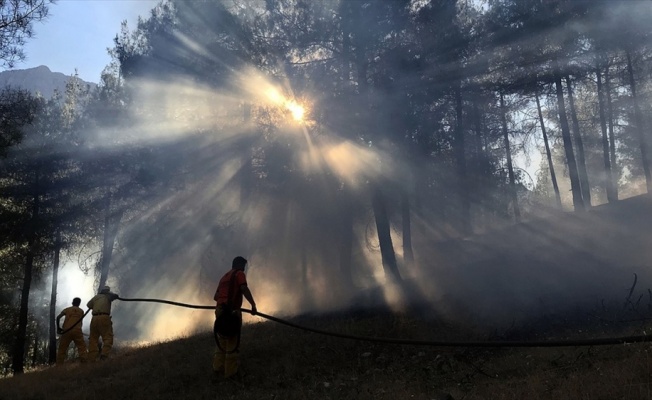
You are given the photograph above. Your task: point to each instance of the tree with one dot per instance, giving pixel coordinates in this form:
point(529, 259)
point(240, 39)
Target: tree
point(553, 176)
point(638, 118)
point(545, 54)
point(610, 186)
point(33, 174)
point(579, 145)
point(16, 110)
point(619, 40)
point(18, 220)
point(16, 26)
point(42, 186)
point(121, 181)
point(68, 209)
point(444, 43)
point(508, 152)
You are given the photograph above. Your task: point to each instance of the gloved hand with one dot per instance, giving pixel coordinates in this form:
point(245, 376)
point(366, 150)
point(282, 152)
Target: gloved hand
point(59, 331)
point(254, 310)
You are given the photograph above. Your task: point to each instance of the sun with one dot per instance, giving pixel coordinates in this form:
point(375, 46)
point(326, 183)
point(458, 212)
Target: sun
point(298, 111)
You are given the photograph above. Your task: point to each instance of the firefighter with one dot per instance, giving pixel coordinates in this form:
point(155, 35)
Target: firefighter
point(228, 297)
point(71, 331)
point(101, 324)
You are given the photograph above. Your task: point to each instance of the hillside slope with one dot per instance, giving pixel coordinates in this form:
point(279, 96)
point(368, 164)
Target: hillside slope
point(286, 363)
point(545, 266)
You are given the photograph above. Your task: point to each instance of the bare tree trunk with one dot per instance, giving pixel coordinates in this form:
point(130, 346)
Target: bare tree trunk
point(551, 167)
point(384, 237)
point(578, 203)
point(408, 253)
point(639, 125)
point(508, 152)
point(460, 160)
point(347, 214)
point(111, 227)
point(477, 140)
point(610, 125)
point(377, 199)
point(612, 195)
point(35, 349)
point(581, 162)
point(18, 364)
point(479, 148)
point(52, 343)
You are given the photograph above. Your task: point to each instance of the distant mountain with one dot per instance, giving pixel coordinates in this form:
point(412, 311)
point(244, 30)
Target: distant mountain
point(39, 79)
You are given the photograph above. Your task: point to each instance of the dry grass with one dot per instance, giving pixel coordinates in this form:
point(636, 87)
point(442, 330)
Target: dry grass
point(285, 363)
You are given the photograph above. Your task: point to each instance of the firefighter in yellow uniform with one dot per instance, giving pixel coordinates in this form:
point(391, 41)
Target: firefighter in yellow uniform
point(230, 290)
point(71, 331)
point(101, 324)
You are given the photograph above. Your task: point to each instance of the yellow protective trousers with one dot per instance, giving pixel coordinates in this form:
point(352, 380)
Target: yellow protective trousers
point(227, 358)
point(227, 361)
point(76, 336)
point(101, 326)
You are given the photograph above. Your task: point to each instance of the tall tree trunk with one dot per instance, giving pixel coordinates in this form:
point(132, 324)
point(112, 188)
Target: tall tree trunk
point(460, 161)
point(479, 148)
point(612, 195)
point(510, 167)
point(18, 364)
point(610, 125)
point(347, 214)
point(384, 236)
point(578, 203)
point(111, 227)
point(408, 253)
point(579, 145)
point(477, 138)
point(35, 349)
point(639, 125)
point(52, 343)
point(551, 167)
point(377, 199)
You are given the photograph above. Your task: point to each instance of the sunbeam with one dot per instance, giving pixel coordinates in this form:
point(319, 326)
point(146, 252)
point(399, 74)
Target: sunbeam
point(372, 154)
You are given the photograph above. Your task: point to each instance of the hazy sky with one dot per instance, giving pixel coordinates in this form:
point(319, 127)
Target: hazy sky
point(77, 34)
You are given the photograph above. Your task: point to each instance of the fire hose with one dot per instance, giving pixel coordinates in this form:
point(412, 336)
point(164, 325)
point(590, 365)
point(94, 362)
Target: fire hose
point(63, 332)
point(434, 343)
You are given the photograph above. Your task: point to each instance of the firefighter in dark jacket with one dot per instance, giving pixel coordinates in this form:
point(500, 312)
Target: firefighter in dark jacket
point(228, 297)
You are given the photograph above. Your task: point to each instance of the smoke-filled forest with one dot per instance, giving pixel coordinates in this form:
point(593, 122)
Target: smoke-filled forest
point(360, 154)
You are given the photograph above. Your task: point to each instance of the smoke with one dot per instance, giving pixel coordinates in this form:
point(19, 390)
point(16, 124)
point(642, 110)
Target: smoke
point(250, 171)
point(177, 247)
